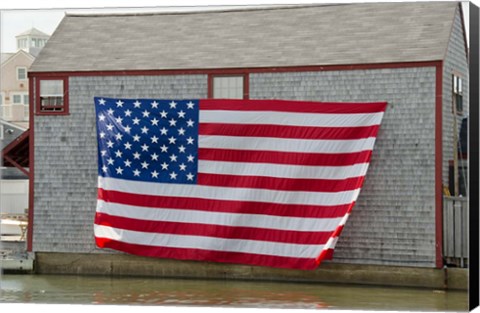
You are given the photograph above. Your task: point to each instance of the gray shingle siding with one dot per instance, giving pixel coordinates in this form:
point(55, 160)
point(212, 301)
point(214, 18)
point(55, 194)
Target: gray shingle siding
point(66, 156)
point(455, 61)
point(393, 221)
point(397, 200)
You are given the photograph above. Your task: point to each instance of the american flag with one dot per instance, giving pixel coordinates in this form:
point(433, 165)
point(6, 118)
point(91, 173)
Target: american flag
point(259, 182)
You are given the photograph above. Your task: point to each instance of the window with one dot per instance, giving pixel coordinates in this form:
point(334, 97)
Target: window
point(20, 98)
point(17, 99)
point(21, 73)
point(52, 96)
point(228, 87)
point(457, 94)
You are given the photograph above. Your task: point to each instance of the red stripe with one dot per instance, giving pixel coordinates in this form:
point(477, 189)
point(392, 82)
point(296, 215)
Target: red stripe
point(216, 231)
point(275, 209)
point(291, 106)
point(280, 183)
point(294, 158)
point(325, 255)
point(280, 131)
point(208, 255)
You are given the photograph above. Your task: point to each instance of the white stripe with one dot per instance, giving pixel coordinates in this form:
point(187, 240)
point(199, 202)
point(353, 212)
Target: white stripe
point(226, 193)
point(286, 144)
point(208, 243)
point(219, 218)
point(282, 170)
point(290, 118)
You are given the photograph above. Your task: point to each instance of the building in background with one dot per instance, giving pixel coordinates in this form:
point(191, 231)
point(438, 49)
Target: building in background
point(14, 99)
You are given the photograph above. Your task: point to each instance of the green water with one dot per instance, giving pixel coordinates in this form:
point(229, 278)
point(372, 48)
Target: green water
point(60, 289)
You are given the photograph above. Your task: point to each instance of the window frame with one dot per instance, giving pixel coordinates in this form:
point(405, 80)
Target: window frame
point(245, 76)
point(18, 71)
point(457, 93)
point(38, 106)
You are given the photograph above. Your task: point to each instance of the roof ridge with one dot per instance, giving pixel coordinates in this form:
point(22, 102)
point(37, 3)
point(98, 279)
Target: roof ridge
point(212, 9)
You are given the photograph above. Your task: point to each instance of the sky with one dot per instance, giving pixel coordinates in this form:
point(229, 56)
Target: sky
point(21, 15)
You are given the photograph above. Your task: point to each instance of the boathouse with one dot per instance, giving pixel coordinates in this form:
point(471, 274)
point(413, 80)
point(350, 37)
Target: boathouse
point(412, 55)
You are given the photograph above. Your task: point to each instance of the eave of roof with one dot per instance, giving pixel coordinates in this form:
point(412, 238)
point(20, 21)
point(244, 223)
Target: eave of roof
point(274, 37)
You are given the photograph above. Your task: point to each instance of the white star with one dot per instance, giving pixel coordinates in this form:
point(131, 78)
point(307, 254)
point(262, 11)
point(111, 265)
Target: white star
point(118, 154)
point(190, 158)
point(137, 104)
point(110, 144)
point(101, 101)
point(183, 167)
point(127, 163)
point(127, 129)
point(154, 121)
point(119, 120)
point(136, 121)
point(136, 173)
point(119, 170)
point(164, 166)
point(190, 123)
point(128, 113)
point(110, 111)
point(136, 138)
point(154, 157)
point(154, 104)
point(182, 149)
point(101, 117)
point(181, 114)
point(190, 105)
point(136, 155)
point(164, 148)
point(173, 122)
point(173, 175)
point(163, 114)
point(154, 139)
point(118, 136)
point(172, 140)
point(145, 147)
point(110, 161)
point(181, 131)
point(110, 127)
point(103, 152)
point(163, 131)
point(190, 141)
point(128, 146)
point(144, 130)
point(104, 169)
point(145, 164)
point(155, 174)
point(173, 105)
point(173, 158)
point(102, 135)
point(119, 104)
point(190, 176)
point(145, 113)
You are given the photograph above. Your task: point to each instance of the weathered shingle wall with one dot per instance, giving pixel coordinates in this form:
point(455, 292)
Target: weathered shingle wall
point(455, 62)
point(66, 156)
point(393, 221)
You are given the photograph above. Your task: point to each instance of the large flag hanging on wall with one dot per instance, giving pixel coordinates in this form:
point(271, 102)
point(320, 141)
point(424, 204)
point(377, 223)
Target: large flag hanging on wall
point(260, 182)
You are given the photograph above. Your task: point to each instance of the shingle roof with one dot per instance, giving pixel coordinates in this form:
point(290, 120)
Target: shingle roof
point(292, 36)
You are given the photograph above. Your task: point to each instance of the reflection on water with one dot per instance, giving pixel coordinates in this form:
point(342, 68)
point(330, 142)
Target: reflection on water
point(58, 289)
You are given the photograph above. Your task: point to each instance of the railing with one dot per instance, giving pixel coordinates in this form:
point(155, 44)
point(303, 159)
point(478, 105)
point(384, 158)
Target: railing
point(455, 231)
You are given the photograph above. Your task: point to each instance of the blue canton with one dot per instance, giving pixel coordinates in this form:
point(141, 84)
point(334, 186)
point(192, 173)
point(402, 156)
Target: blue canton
point(148, 140)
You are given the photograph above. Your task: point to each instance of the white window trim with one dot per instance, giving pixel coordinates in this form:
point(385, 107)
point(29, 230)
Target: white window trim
point(21, 94)
point(219, 78)
point(26, 73)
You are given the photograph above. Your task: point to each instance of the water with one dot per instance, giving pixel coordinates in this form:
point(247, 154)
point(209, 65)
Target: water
point(61, 289)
